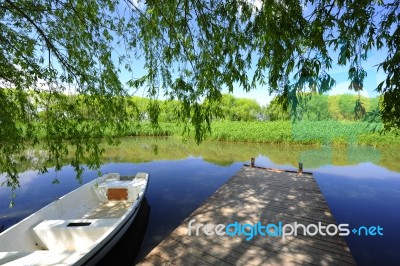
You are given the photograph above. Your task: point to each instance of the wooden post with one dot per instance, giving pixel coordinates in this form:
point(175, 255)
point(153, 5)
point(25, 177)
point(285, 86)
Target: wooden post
point(300, 168)
point(252, 162)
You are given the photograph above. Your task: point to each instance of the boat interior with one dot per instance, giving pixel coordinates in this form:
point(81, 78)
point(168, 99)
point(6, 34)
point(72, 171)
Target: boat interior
point(78, 220)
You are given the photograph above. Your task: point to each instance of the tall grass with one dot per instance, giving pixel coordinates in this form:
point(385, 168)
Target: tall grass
point(268, 132)
point(284, 132)
point(331, 132)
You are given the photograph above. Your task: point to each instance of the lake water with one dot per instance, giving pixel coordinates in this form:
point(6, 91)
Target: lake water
point(360, 184)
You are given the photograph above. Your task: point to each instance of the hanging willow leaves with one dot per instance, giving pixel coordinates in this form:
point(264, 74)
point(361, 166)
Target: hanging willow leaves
point(62, 62)
point(58, 82)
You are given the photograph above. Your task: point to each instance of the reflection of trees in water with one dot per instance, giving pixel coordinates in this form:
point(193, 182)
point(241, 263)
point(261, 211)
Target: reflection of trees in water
point(146, 149)
point(390, 158)
point(155, 149)
point(226, 153)
point(328, 155)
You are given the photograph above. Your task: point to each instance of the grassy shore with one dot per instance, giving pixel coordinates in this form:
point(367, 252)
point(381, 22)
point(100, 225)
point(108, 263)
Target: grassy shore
point(283, 132)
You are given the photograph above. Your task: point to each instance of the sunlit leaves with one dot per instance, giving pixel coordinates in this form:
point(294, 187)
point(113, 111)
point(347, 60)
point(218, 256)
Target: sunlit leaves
point(51, 49)
point(192, 51)
point(299, 60)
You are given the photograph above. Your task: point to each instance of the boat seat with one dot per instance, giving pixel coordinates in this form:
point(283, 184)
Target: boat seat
point(62, 235)
point(112, 190)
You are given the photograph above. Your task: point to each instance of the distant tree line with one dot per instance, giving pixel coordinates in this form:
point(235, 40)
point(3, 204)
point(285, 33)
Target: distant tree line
point(345, 107)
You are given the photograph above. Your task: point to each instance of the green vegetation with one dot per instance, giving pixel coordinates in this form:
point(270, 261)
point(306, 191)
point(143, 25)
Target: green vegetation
point(344, 107)
point(191, 51)
point(270, 132)
point(312, 108)
point(284, 132)
point(320, 120)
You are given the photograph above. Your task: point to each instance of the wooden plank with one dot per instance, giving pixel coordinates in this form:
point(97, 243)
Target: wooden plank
point(117, 194)
point(250, 196)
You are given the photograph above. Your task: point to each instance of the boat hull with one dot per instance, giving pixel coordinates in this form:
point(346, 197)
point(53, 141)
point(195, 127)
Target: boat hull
point(55, 234)
point(96, 255)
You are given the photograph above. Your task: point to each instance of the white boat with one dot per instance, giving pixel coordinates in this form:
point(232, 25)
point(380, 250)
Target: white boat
point(80, 227)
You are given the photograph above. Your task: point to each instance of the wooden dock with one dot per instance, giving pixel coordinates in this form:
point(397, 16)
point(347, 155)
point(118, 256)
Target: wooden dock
point(250, 196)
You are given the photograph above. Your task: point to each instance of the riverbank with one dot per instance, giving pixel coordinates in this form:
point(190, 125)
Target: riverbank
point(283, 132)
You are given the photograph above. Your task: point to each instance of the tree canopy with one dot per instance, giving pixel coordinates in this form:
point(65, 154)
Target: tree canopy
point(192, 51)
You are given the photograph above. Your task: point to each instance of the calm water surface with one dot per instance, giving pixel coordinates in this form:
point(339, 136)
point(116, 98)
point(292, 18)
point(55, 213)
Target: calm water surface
point(361, 185)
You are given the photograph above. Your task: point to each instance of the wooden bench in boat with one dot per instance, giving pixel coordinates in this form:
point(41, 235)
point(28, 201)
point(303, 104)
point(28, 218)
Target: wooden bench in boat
point(116, 190)
point(72, 234)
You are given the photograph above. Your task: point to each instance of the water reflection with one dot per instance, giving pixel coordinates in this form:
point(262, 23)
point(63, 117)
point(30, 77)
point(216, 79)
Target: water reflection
point(226, 153)
point(365, 195)
point(147, 149)
point(361, 184)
